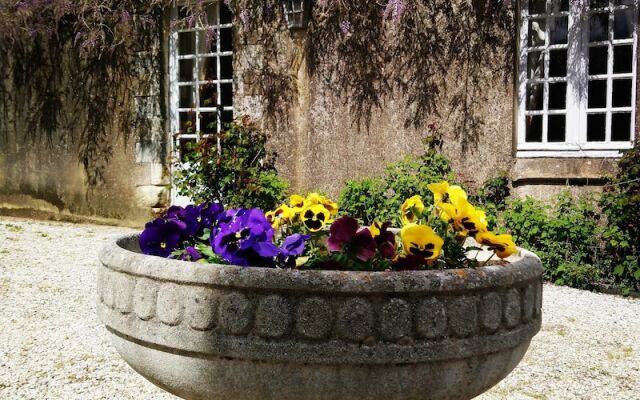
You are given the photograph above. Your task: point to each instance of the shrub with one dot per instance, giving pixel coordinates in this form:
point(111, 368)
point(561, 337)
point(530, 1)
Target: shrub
point(238, 172)
point(381, 198)
point(620, 205)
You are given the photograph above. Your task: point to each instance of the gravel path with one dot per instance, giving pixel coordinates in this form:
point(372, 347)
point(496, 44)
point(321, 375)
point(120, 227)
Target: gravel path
point(53, 347)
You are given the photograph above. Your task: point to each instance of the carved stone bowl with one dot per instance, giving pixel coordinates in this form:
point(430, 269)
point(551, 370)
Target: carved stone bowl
point(225, 332)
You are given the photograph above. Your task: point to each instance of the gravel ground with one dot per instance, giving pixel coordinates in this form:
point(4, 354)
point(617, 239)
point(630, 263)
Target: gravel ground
point(53, 347)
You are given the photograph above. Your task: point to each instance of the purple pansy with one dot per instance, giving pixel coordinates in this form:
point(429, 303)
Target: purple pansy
point(246, 239)
point(293, 245)
point(344, 234)
point(191, 254)
point(162, 236)
point(386, 242)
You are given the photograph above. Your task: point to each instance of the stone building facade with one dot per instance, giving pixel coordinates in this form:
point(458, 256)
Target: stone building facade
point(544, 90)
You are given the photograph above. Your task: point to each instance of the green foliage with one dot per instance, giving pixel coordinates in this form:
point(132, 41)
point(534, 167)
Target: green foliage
point(380, 198)
point(564, 235)
point(238, 173)
point(492, 197)
point(620, 205)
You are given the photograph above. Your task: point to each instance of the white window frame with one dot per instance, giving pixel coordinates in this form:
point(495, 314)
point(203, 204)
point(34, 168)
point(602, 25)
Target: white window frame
point(576, 107)
point(175, 85)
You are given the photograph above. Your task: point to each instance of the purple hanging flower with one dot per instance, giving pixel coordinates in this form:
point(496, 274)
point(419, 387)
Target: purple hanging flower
point(161, 237)
point(247, 239)
point(386, 242)
point(344, 235)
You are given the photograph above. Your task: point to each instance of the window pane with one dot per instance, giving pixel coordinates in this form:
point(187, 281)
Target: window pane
point(534, 128)
point(186, 43)
point(186, 97)
point(186, 146)
point(226, 39)
point(557, 63)
point(622, 2)
point(209, 122)
point(212, 14)
point(621, 92)
point(596, 127)
point(226, 90)
point(597, 94)
point(227, 117)
point(559, 5)
point(535, 65)
point(209, 95)
point(556, 128)
point(535, 96)
point(208, 69)
point(621, 127)
point(599, 3)
point(557, 95)
point(226, 67)
point(226, 17)
point(623, 24)
point(207, 41)
point(558, 28)
point(622, 59)
point(187, 122)
point(537, 33)
point(537, 6)
point(598, 27)
point(598, 60)
point(185, 70)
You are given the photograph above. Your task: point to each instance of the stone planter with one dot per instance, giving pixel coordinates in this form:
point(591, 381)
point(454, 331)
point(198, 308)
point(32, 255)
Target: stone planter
point(222, 332)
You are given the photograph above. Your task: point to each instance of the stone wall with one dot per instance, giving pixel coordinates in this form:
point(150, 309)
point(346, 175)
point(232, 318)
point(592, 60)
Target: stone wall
point(59, 156)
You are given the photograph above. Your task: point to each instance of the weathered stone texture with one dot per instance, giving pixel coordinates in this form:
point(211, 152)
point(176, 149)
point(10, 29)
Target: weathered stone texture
point(317, 334)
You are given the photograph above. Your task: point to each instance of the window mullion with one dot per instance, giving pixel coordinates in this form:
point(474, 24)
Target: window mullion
point(522, 89)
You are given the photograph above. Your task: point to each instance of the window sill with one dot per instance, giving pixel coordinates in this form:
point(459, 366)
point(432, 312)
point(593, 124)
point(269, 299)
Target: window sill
point(578, 170)
point(568, 154)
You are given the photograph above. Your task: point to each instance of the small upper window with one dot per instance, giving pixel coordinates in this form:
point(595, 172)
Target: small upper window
point(577, 77)
point(201, 74)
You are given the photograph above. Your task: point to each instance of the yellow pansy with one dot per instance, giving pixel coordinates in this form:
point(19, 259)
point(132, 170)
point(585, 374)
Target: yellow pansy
point(375, 228)
point(444, 193)
point(421, 240)
point(315, 198)
point(296, 201)
point(411, 209)
point(463, 217)
point(315, 216)
point(280, 216)
point(503, 245)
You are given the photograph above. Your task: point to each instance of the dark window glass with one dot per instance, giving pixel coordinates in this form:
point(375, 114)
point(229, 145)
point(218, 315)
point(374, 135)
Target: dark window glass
point(598, 27)
point(598, 60)
point(535, 99)
point(208, 95)
point(227, 116)
point(537, 32)
point(620, 127)
point(596, 127)
point(556, 128)
point(537, 6)
point(534, 128)
point(186, 97)
point(623, 24)
point(535, 65)
point(187, 122)
point(621, 93)
point(226, 39)
point(209, 69)
point(209, 122)
point(557, 96)
point(226, 90)
point(226, 67)
point(558, 29)
point(186, 146)
point(622, 2)
point(185, 70)
point(622, 59)
point(558, 63)
point(186, 43)
point(226, 17)
point(559, 5)
point(597, 94)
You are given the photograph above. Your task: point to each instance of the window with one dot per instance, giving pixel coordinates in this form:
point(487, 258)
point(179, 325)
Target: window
point(201, 76)
point(577, 77)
